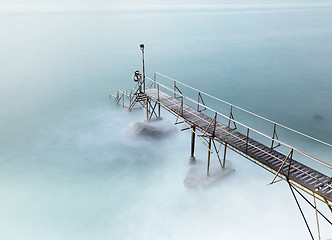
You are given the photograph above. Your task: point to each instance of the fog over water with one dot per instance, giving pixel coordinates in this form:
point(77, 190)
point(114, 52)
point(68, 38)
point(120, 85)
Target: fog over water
point(69, 169)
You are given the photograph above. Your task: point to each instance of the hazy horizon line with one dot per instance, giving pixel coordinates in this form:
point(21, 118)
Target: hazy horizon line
point(18, 8)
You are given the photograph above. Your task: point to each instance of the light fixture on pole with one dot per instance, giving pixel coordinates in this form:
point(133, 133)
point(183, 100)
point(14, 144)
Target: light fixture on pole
point(142, 49)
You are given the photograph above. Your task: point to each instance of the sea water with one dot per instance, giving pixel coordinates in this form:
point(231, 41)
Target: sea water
point(69, 170)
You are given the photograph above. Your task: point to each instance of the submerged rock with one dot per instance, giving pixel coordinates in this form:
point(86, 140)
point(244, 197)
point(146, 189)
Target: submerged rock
point(149, 130)
point(318, 117)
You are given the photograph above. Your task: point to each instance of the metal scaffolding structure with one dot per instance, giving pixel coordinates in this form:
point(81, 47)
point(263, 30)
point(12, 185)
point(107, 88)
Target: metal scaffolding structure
point(220, 131)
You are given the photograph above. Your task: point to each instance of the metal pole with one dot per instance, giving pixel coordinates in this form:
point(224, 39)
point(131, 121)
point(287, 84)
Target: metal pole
point(147, 109)
point(247, 140)
point(158, 101)
point(142, 49)
point(274, 132)
point(159, 110)
point(230, 116)
point(298, 205)
point(290, 162)
point(316, 216)
point(192, 157)
point(224, 161)
point(198, 101)
point(209, 155)
point(182, 106)
point(215, 124)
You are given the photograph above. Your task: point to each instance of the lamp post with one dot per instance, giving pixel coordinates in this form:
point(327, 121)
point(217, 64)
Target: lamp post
point(142, 49)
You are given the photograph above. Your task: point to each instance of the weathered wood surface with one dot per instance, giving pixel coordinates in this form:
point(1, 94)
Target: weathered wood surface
point(297, 172)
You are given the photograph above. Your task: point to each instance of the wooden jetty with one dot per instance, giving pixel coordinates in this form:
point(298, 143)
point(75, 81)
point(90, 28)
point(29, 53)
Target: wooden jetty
point(213, 128)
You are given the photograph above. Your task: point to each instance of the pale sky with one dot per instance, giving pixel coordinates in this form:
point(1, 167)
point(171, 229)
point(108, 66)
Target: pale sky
point(117, 5)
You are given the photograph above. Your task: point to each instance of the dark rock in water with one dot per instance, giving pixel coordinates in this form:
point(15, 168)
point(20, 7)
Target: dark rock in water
point(318, 117)
point(149, 130)
point(138, 129)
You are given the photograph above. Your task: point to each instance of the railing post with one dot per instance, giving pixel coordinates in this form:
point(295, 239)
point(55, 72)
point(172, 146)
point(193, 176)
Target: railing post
point(290, 161)
point(199, 93)
point(215, 123)
point(230, 116)
point(174, 88)
point(158, 91)
point(155, 79)
point(273, 135)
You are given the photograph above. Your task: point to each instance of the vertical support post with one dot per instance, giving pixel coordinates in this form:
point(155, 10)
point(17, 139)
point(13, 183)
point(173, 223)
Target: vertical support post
point(123, 96)
point(316, 216)
point(209, 156)
point(147, 108)
point(158, 101)
point(174, 88)
point(193, 135)
point(224, 160)
point(247, 140)
point(142, 49)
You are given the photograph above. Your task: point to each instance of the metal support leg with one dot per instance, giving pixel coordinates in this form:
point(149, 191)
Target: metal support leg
point(147, 109)
point(159, 110)
point(318, 230)
point(224, 160)
point(193, 134)
point(305, 220)
point(209, 156)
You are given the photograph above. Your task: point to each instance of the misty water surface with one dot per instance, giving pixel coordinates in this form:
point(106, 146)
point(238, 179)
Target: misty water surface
point(70, 171)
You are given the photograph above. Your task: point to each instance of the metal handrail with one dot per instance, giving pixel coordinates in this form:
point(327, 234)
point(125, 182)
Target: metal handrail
point(244, 110)
point(275, 157)
point(328, 165)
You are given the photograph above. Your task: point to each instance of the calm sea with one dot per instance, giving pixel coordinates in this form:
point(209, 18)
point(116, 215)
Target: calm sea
point(70, 171)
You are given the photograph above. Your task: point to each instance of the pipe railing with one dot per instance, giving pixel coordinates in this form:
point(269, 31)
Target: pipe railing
point(230, 119)
point(244, 110)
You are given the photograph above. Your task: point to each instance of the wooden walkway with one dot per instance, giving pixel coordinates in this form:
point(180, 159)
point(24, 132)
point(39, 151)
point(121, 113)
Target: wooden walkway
point(270, 158)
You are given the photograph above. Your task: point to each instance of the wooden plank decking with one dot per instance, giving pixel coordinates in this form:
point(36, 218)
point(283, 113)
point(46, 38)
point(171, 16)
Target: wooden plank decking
point(297, 172)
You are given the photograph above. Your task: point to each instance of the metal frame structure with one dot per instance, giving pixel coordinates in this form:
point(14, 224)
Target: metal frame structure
point(214, 127)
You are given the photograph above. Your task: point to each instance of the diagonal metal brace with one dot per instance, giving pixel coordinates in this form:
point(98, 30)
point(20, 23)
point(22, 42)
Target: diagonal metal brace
point(282, 165)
